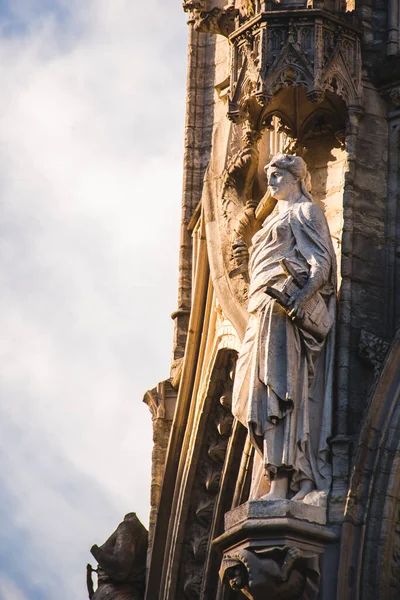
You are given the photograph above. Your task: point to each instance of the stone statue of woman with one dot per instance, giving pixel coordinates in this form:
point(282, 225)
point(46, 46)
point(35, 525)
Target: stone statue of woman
point(283, 383)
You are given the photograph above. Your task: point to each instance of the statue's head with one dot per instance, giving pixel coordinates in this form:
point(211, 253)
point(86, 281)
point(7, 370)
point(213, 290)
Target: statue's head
point(131, 517)
point(287, 173)
point(237, 577)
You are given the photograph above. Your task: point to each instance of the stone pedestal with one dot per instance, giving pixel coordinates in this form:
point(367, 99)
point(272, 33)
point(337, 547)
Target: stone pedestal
point(272, 549)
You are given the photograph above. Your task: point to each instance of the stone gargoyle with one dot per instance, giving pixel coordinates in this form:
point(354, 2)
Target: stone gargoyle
point(276, 573)
point(121, 571)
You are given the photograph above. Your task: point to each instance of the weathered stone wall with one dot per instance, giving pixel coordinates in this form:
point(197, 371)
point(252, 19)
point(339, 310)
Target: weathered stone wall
point(327, 162)
point(197, 147)
point(365, 261)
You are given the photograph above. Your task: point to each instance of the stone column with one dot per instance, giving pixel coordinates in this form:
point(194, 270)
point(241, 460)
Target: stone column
point(161, 402)
point(341, 442)
point(198, 132)
point(393, 28)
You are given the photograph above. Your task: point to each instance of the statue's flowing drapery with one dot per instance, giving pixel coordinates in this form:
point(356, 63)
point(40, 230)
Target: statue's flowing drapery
point(283, 380)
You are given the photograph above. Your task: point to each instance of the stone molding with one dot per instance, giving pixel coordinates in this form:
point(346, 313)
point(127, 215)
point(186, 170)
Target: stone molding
point(258, 509)
point(206, 487)
point(176, 436)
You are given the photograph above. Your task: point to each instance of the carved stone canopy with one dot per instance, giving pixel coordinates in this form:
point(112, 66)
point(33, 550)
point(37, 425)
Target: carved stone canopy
point(309, 49)
point(276, 45)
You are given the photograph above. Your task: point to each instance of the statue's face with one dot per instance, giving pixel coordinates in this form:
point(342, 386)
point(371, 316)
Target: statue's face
point(236, 579)
point(281, 182)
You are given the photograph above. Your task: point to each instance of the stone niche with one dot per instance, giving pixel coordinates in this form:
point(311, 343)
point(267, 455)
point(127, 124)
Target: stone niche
point(277, 549)
point(317, 133)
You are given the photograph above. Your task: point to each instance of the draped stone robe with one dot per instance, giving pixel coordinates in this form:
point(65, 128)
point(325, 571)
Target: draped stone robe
point(283, 382)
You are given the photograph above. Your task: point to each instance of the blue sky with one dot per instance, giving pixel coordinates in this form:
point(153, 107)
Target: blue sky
point(20, 17)
point(91, 148)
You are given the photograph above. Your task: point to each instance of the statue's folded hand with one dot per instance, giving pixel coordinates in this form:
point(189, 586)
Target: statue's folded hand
point(240, 251)
point(297, 302)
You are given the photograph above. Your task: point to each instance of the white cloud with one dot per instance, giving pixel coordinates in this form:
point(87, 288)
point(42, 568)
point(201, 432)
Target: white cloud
point(91, 137)
point(9, 590)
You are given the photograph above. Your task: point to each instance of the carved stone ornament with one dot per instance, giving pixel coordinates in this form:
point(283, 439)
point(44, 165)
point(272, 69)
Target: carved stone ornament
point(227, 192)
point(273, 52)
point(277, 573)
point(217, 20)
point(273, 551)
point(206, 489)
point(276, 48)
point(121, 570)
point(373, 349)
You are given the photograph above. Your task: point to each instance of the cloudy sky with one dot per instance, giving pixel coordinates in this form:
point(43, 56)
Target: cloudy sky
point(91, 129)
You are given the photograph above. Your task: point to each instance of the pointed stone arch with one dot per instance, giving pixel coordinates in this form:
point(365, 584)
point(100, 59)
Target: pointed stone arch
point(370, 547)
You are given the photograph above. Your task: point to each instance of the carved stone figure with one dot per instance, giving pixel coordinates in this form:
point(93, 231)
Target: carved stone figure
point(121, 561)
point(217, 20)
point(282, 389)
point(281, 573)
